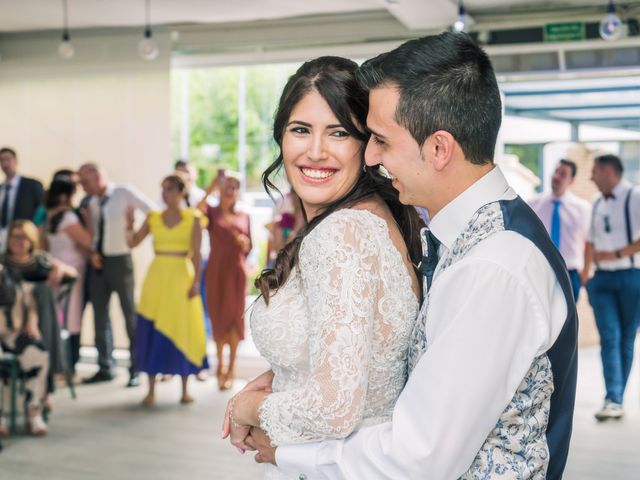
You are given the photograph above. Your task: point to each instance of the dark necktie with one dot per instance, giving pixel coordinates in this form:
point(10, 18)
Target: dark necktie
point(430, 262)
point(4, 211)
point(100, 245)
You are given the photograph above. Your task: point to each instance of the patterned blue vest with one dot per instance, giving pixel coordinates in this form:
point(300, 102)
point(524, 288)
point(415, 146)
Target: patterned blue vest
point(531, 438)
point(563, 354)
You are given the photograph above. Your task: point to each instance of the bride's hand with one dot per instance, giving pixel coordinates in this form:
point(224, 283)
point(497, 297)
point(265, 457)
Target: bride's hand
point(239, 429)
point(243, 414)
point(238, 435)
point(260, 383)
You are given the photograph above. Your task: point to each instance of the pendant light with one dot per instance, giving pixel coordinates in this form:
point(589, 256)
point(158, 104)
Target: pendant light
point(65, 49)
point(611, 27)
point(148, 48)
point(462, 24)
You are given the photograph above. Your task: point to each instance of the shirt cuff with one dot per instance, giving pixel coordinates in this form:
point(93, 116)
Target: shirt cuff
point(299, 460)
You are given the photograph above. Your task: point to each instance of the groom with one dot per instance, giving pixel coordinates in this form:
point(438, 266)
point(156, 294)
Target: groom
point(492, 386)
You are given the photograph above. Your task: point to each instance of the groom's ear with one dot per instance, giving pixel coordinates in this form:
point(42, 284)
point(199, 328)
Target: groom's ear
point(439, 148)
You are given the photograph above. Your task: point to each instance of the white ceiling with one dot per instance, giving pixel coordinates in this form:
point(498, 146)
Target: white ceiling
point(606, 101)
point(30, 15)
point(612, 102)
point(47, 14)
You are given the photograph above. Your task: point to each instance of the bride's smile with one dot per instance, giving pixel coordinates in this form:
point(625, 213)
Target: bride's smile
point(321, 159)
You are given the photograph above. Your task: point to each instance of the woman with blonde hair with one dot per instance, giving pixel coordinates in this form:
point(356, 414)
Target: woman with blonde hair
point(30, 329)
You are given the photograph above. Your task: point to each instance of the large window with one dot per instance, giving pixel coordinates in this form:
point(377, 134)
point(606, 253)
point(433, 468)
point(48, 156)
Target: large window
point(528, 154)
point(223, 117)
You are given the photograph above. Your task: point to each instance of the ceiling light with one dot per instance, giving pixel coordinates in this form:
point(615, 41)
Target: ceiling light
point(147, 48)
point(65, 49)
point(611, 27)
point(463, 22)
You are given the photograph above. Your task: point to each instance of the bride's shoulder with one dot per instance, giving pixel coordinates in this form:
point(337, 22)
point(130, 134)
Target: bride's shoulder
point(347, 225)
point(363, 218)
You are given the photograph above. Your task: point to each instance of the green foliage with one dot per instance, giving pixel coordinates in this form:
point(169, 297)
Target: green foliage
point(213, 117)
point(529, 155)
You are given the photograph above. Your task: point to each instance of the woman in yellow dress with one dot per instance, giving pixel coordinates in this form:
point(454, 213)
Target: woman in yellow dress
point(170, 337)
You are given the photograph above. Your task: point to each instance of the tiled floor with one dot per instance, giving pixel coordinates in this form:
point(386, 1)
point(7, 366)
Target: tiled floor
point(106, 434)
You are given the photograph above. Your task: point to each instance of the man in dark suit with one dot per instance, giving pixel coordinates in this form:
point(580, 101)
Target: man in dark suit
point(20, 196)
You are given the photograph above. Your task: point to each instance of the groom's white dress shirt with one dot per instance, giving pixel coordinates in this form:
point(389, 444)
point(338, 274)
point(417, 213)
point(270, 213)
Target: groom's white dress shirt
point(490, 316)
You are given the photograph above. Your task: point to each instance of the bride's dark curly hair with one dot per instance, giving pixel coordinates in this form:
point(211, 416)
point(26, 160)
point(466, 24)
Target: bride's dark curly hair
point(334, 78)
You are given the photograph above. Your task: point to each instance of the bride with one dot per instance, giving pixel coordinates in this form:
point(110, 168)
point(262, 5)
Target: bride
point(338, 307)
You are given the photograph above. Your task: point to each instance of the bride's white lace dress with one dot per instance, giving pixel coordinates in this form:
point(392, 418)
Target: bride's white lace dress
point(336, 333)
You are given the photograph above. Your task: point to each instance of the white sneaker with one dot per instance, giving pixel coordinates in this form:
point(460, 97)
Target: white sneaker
point(37, 426)
point(610, 410)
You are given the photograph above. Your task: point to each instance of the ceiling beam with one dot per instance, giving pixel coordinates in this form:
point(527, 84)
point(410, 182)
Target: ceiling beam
point(424, 14)
point(571, 91)
point(574, 107)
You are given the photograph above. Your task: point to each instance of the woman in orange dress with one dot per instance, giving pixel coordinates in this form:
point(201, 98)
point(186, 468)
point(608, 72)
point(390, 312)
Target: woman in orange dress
point(226, 277)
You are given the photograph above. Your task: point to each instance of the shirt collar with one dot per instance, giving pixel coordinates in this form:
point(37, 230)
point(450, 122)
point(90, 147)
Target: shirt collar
point(449, 222)
point(110, 188)
point(622, 186)
point(564, 196)
point(107, 194)
point(14, 181)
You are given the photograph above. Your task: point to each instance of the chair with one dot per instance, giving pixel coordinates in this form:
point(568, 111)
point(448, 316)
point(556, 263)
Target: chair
point(10, 365)
point(10, 368)
point(62, 299)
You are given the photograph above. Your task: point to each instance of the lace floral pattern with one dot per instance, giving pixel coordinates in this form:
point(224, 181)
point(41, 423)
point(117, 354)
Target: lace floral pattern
point(336, 334)
point(516, 448)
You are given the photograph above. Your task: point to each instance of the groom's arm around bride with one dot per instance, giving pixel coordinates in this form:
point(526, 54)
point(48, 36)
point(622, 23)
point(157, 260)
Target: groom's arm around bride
point(492, 391)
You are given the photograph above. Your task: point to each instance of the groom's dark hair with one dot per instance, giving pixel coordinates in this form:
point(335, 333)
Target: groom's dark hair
point(446, 82)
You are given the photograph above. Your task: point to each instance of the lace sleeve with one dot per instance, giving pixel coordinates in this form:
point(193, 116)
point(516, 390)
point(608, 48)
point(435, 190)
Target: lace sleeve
point(339, 270)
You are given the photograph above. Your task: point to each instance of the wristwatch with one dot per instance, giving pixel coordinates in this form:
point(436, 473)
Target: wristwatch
point(618, 254)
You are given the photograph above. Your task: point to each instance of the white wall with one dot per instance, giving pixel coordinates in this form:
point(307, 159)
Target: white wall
point(106, 105)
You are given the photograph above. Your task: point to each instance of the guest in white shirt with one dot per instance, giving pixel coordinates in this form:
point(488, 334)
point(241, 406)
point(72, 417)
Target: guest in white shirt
point(111, 263)
point(567, 218)
point(614, 290)
point(492, 388)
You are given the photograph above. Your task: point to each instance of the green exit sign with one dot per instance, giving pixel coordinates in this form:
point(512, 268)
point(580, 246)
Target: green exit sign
point(564, 32)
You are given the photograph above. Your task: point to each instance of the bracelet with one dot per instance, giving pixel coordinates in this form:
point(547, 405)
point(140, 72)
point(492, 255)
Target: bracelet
point(232, 404)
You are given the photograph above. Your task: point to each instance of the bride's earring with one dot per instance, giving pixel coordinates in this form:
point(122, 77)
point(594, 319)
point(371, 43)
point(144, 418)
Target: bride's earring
point(364, 167)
